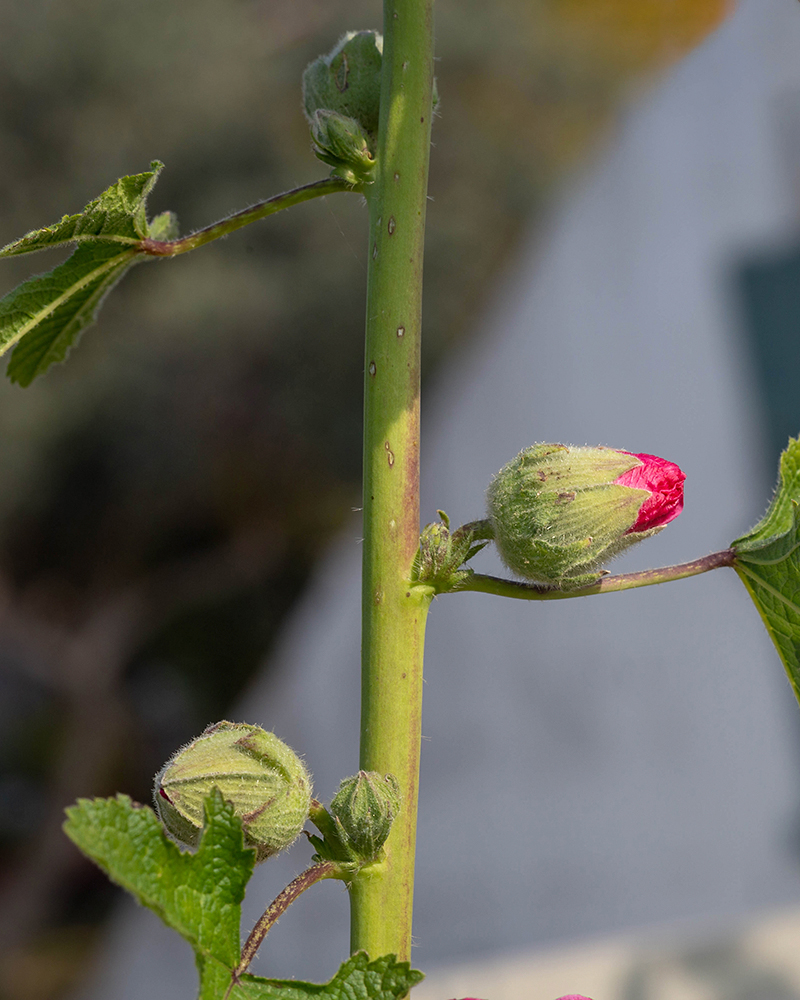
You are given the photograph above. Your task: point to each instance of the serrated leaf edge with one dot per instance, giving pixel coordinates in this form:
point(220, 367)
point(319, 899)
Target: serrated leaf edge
point(109, 265)
point(139, 223)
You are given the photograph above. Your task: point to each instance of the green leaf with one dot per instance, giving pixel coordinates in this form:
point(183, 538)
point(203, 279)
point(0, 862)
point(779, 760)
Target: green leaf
point(118, 215)
point(45, 315)
point(768, 563)
point(199, 894)
point(357, 979)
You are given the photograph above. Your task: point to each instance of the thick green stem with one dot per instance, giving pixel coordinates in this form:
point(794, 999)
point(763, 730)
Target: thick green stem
point(393, 612)
point(483, 584)
point(171, 248)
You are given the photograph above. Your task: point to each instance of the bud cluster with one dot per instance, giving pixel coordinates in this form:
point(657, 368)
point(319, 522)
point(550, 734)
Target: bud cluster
point(341, 100)
point(442, 552)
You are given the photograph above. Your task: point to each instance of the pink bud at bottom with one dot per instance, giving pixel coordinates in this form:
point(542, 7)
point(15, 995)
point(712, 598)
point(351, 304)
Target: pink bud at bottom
point(576, 996)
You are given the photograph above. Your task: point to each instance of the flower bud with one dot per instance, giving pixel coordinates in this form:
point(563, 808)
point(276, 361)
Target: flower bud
point(342, 143)
point(559, 512)
point(365, 807)
point(347, 80)
point(264, 779)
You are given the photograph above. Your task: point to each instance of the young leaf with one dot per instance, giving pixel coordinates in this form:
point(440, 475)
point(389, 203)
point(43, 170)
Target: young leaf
point(768, 563)
point(45, 315)
point(357, 979)
point(118, 215)
point(199, 894)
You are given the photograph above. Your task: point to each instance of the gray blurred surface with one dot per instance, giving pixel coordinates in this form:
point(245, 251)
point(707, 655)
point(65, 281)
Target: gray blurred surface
point(611, 762)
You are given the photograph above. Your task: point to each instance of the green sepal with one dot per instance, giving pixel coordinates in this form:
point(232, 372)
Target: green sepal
point(442, 552)
point(333, 845)
point(768, 564)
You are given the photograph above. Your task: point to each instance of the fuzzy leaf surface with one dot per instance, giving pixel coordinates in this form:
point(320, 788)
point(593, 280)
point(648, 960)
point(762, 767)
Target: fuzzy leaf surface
point(199, 894)
point(117, 215)
point(768, 563)
point(357, 979)
point(45, 315)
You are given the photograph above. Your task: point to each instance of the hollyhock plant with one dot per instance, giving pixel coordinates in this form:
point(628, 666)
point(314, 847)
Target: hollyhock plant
point(237, 794)
point(558, 512)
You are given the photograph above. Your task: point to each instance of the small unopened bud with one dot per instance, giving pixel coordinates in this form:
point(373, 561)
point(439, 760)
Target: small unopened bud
point(365, 807)
point(342, 143)
point(347, 80)
point(559, 512)
point(264, 779)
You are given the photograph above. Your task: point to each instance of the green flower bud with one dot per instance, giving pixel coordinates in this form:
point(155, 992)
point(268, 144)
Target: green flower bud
point(364, 809)
point(347, 80)
point(442, 552)
point(558, 512)
point(262, 777)
point(342, 143)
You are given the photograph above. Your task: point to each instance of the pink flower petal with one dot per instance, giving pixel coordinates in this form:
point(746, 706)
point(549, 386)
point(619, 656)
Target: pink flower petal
point(664, 480)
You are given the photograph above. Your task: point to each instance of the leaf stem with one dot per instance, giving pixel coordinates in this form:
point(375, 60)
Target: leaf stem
point(484, 584)
point(317, 189)
point(394, 611)
point(279, 905)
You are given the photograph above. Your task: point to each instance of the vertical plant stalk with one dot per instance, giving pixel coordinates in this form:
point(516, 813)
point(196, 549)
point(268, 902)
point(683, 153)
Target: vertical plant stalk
point(393, 612)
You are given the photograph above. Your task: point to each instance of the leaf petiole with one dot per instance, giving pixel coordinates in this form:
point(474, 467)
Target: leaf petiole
point(317, 189)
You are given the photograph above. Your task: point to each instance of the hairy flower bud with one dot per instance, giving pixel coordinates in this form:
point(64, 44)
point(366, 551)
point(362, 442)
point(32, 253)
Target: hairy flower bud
point(347, 80)
point(559, 512)
point(364, 808)
point(342, 143)
point(264, 779)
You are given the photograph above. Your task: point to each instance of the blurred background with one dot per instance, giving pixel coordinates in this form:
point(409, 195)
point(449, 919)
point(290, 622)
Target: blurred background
point(166, 496)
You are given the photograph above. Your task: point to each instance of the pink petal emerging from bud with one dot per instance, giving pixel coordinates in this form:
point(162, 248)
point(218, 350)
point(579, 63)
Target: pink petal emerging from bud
point(664, 480)
point(577, 996)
